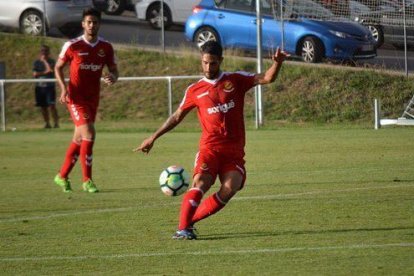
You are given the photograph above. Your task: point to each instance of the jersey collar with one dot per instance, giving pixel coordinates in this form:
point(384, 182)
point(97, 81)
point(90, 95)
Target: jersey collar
point(91, 44)
point(215, 80)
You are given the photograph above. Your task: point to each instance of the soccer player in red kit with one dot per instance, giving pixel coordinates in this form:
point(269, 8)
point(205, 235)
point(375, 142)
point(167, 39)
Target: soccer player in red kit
point(219, 99)
point(86, 55)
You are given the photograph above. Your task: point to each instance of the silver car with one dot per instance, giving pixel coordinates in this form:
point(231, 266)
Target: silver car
point(36, 17)
point(175, 11)
point(114, 7)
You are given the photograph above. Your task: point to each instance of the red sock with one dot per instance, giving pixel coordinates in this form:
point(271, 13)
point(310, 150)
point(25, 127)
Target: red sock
point(71, 157)
point(188, 207)
point(86, 159)
point(208, 207)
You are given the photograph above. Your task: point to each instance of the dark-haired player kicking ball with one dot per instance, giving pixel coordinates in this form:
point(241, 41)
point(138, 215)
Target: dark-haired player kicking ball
point(219, 99)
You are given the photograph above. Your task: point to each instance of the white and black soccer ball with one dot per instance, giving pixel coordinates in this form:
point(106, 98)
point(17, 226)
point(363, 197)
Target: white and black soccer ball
point(174, 180)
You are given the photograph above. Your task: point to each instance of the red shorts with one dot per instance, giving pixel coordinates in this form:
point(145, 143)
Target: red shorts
point(218, 163)
point(82, 114)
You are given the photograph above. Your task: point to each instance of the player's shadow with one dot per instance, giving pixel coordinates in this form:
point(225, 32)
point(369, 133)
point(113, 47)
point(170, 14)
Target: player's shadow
point(241, 235)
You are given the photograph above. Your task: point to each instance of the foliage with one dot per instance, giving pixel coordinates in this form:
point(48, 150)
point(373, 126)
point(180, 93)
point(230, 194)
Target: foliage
point(302, 93)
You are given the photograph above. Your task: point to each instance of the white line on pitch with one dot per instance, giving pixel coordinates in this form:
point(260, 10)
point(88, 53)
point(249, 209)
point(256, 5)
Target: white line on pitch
point(207, 252)
point(237, 198)
point(317, 192)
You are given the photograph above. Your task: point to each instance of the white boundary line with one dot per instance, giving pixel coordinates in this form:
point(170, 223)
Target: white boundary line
point(237, 198)
point(318, 192)
point(207, 252)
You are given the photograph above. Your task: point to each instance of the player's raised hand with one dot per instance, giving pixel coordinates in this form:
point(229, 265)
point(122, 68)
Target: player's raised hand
point(280, 56)
point(145, 146)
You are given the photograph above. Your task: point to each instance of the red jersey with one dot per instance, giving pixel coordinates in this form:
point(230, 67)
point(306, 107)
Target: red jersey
point(220, 109)
point(86, 64)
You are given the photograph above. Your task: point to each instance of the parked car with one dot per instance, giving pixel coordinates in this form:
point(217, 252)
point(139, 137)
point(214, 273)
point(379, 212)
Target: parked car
point(233, 24)
point(175, 11)
point(388, 26)
point(29, 16)
point(114, 7)
point(357, 7)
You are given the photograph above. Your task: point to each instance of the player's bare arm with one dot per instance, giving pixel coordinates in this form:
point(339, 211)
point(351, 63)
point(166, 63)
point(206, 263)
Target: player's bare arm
point(111, 77)
point(168, 125)
point(60, 65)
point(270, 75)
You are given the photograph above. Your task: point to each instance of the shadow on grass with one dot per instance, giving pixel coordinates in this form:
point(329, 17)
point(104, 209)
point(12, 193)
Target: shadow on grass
point(235, 235)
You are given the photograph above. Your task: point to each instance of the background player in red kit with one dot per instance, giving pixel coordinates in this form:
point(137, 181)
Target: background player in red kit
point(87, 56)
point(219, 99)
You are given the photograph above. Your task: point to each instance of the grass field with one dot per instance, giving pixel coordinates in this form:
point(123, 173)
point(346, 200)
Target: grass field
point(318, 200)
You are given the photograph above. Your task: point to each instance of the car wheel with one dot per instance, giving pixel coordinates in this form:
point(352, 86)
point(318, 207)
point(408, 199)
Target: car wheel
point(154, 16)
point(205, 34)
point(115, 7)
point(377, 34)
point(31, 23)
point(72, 31)
point(311, 50)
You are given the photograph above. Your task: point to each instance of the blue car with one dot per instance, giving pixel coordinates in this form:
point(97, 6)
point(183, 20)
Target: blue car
point(310, 30)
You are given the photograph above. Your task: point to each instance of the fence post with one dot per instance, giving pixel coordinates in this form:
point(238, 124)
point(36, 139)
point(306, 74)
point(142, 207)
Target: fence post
point(3, 106)
point(377, 123)
point(169, 96)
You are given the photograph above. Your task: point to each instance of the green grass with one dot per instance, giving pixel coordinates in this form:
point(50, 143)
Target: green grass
point(318, 200)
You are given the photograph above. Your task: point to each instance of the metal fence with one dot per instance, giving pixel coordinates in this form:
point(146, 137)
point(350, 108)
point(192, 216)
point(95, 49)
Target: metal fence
point(391, 23)
point(168, 79)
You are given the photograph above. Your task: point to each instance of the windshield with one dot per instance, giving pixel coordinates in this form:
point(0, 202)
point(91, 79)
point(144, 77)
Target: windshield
point(297, 8)
point(307, 8)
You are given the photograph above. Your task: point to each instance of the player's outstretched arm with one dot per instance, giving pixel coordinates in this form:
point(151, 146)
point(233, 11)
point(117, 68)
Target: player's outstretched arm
point(270, 75)
point(168, 125)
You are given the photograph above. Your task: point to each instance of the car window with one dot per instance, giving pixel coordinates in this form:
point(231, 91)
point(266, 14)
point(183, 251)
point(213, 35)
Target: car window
point(238, 5)
point(272, 8)
point(307, 8)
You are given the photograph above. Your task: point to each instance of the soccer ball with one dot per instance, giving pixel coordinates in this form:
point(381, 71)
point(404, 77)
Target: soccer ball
point(174, 181)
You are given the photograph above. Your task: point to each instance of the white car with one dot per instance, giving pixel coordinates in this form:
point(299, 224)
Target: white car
point(175, 11)
point(114, 7)
point(29, 16)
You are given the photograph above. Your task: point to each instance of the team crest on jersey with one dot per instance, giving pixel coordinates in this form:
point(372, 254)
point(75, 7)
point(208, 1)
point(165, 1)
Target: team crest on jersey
point(228, 86)
point(204, 166)
point(101, 53)
point(86, 116)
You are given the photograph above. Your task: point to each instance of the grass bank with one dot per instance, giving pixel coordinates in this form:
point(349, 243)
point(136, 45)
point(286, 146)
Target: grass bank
point(303, 93)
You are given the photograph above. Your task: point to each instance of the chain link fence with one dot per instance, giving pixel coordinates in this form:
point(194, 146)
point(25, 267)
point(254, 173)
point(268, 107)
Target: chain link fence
point(390, 22)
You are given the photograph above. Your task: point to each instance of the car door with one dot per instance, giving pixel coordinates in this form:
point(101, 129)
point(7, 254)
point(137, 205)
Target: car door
point(271, 25)
point(398, 27)
point(10, 12)
point(182, 9)
point(235, 21)
point(391, 25)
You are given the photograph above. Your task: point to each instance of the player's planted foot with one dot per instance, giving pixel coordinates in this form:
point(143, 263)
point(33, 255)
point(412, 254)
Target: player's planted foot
point(64, 183)
point(89, 186)
point(185, 234)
